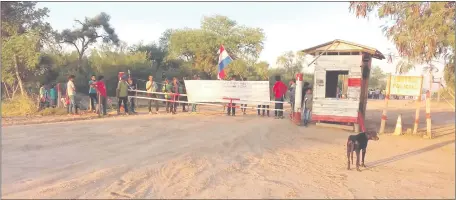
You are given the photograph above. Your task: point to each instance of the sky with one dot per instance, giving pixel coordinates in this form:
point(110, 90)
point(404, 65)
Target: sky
point(288, 26)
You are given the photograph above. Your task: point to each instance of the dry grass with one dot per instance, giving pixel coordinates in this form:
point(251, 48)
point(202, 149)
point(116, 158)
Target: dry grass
point(19, 106)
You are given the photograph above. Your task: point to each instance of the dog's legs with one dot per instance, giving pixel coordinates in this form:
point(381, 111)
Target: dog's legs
point(362, 158)
point(357, 159)
point(352, 154)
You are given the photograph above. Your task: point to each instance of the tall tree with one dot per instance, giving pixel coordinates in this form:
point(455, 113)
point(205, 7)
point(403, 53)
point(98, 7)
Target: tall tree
point(88, 33)
point(377, 78)
point(291, 62)
point(422, 31)
point(22, 30)
point(199, 46)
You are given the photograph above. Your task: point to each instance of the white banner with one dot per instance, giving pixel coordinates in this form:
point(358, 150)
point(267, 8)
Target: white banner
point(249, 92)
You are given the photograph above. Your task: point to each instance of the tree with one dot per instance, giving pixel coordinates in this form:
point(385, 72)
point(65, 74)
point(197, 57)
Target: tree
point(88, 33)
point(22, 30)
point(422, 31)
point(291, 62)
point(404, 66)
point(199, 46)
point(377, 78)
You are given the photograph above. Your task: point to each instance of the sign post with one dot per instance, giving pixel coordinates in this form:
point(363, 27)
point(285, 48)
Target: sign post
point(417, 112)
point(402, 85)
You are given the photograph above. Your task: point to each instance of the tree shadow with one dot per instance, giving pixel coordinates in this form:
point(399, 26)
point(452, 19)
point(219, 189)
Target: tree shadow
point(406, 155)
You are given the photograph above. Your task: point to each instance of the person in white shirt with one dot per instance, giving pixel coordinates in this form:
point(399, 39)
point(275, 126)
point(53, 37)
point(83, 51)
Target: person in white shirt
point(151, 86)
point(71, 92)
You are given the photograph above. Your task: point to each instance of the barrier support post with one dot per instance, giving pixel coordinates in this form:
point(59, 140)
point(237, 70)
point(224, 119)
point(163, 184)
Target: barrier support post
point(387, 96)
point(417, 111)
point(297, 101)
point(428, 115)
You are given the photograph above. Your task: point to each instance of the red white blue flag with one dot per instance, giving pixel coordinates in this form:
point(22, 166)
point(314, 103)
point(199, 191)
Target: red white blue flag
point(224, 60)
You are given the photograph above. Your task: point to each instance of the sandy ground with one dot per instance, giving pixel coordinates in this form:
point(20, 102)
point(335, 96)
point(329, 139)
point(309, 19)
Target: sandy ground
point(215, 156)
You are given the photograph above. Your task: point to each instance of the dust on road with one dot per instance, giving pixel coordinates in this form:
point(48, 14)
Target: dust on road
point(193, 156)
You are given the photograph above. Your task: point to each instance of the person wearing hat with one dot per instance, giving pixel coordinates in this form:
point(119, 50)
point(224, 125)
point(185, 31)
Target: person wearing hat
point(122, 94)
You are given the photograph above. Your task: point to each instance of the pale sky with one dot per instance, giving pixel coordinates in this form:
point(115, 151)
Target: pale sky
point(287, 25)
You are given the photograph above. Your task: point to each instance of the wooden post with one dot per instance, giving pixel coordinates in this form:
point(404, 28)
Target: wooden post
point(417, 112)
point(387, 96)
point(428, 115)
point(99, 104)
point(59, 96)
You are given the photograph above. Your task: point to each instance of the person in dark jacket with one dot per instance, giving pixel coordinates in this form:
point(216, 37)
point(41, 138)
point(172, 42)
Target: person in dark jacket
point(279, 91)
point(166, 88)
point(131, 86)
point(304, 90)
point(183, 90)
point(174, 96)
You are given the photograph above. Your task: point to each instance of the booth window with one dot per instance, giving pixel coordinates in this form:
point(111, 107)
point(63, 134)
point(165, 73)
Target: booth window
point(334, 80)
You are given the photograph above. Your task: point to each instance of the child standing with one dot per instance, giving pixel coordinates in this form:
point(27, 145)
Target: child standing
point(308, 101)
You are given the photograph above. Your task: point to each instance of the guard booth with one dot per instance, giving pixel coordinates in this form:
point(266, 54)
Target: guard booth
point(340, 85)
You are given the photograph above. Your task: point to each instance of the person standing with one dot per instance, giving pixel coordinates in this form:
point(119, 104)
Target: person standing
point(53, 96)
point(92, 93)
point(292, 90)
point(174, 95)
point(167, 89)
point(122, 94)
point(279, 91)
point(183, 90)
point(151, 86)
point(131, 86)
point(101, 88)
point(71, 92)
point(377, 93)
point(232, 107)
point(308, 106)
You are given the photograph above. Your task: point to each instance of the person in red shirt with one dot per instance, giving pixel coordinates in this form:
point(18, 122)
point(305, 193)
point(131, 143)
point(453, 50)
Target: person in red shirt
point(279, 91)
point(101, 89)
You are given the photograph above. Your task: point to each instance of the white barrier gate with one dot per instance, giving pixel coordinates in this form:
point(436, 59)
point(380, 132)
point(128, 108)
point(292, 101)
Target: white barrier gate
point(249, 92)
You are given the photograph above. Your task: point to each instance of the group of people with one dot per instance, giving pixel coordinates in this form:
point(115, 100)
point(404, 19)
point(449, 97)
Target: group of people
point(306, 100)
point(279, 91)
point(174, 93)
point(48, 96)
point(97, 94)
point(375, 94)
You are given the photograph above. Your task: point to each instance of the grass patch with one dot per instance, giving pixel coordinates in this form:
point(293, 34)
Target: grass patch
point(19, 106)
point(53, 111)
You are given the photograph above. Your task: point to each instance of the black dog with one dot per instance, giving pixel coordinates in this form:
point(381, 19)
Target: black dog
point(358, 143)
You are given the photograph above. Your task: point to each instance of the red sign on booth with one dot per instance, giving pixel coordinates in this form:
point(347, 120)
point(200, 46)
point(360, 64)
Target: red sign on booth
point(354, 82)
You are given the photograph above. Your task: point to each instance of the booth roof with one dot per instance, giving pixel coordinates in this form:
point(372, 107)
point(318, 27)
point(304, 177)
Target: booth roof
point(344, 46)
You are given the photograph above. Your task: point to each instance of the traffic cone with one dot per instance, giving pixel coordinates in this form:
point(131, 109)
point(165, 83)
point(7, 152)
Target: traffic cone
point(398, 130)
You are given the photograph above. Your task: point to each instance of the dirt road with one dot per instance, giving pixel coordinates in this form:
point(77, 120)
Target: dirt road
point(196, 156)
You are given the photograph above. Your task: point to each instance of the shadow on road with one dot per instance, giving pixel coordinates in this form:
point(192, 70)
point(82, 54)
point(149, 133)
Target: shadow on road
point(408, 154)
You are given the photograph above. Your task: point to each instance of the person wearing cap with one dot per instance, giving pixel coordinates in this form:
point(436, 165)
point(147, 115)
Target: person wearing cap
point(122, 94)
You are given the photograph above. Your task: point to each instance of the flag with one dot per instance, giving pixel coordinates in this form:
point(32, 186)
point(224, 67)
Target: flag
point(224, 60)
